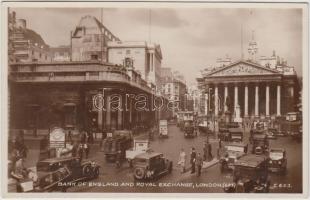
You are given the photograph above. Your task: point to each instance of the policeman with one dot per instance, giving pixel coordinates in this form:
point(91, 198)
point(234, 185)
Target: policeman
point(118, 159)
point(199, 163)
point(193, 159)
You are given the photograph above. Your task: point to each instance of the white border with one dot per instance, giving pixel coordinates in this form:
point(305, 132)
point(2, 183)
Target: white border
point(187, 4)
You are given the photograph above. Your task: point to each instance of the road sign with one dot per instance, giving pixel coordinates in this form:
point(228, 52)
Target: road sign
point(57, 138)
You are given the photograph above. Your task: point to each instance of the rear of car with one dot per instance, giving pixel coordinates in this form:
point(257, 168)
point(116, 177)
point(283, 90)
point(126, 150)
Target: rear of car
point(163, 128)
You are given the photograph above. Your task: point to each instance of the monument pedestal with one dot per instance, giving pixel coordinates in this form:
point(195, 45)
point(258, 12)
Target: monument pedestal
point(237, 117)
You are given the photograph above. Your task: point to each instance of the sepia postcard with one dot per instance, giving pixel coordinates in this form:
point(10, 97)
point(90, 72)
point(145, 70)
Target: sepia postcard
point(154, 98)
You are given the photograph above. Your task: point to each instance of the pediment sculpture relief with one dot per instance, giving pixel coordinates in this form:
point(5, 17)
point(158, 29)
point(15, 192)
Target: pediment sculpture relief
point(242, 70)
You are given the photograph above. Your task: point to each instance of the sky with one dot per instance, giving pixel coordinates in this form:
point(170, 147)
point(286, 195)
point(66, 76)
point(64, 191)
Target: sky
point(191, 39)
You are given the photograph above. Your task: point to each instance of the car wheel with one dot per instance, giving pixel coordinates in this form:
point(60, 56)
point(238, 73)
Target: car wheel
point(170, 167)
point(87, 170)
point(267, 187)
point(96, 172)
point(139, 173)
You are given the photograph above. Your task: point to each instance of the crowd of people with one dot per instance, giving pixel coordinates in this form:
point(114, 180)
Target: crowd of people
point(196, 159)
point(17, 155)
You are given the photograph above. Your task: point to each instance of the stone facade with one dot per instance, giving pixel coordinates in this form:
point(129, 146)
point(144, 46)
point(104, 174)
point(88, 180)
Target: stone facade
point(25, 45)
point(248, 89)
point(146, 59)
point(89, 40)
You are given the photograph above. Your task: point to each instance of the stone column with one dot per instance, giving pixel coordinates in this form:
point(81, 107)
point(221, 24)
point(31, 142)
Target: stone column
point(278, 100)
point(206, 103)
point(246, 101)
point(267, 100)
point(100, 109)
point(120, 115)
point(256, 101)
point(225, 97)
point(216, 101)
point(108, 113)
point(236, 103)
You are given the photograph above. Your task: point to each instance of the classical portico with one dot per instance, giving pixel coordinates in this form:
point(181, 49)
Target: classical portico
point(246, 89)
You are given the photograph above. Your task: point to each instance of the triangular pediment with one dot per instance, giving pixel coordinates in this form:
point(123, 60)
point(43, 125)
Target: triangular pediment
point(242, 68)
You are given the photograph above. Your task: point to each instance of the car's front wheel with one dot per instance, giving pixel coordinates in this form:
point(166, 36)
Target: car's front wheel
point(223, 167)
point(96, 172)
point(87, 170)
point(139, 173)
point(170, 167)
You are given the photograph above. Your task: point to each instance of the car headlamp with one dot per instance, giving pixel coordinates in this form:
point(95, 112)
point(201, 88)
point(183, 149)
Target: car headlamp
point(270, 161)
point(280, 162)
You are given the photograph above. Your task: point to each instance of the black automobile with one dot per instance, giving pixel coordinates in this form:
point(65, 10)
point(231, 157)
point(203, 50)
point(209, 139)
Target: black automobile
point(277, 161)
point(150, 165)
point(255, 132)
point(189, 129)
point(57, 174)
point(250, 175)
point(116, 143)
point(260, 144)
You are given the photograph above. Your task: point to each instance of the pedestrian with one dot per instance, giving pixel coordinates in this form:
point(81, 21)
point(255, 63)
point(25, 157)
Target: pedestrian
point(193, 160)
point(80, 152)
point(75, 148)
point(205, 151)
point(199, 163)
point(86, 149)
point(220, 143)
point(210, 151)
point(182, 159)
point(70, 136)
point(118, 159)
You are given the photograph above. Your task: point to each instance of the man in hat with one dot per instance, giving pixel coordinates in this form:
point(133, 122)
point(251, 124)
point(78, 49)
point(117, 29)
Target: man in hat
point(193, 160)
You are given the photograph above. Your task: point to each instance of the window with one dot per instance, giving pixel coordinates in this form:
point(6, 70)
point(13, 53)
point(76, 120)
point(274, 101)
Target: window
point(127, 51)
point(40, 55)
point(32, 52)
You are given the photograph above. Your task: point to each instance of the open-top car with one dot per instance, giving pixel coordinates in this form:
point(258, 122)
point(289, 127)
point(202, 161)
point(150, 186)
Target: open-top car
point(250, 175)
point(150, 165)
point(277, 161)
point(260, 144)
point(233, 152)
point(55, 174)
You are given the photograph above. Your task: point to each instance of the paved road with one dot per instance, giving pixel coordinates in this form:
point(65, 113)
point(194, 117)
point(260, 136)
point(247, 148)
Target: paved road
point(211, 180)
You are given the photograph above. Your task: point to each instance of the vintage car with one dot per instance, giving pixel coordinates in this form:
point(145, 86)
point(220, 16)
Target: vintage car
point(272, 133)
point(260, 144)
point(117, 142)
point(277, 161)
point(255, 132)
point(57, 174)
point(189, 129)
point(235, 134)
point(233, 152)
point(163, 128)
point(295, 135)
point(224, 133)
point(204, 128)
point(250, 175)
point(139, 146)
point(150, 165)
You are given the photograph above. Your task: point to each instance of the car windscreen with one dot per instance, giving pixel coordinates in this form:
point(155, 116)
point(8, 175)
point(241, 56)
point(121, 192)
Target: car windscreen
point(46, 166)
point(274, 154)
point(234, 148)
point(140, 161)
